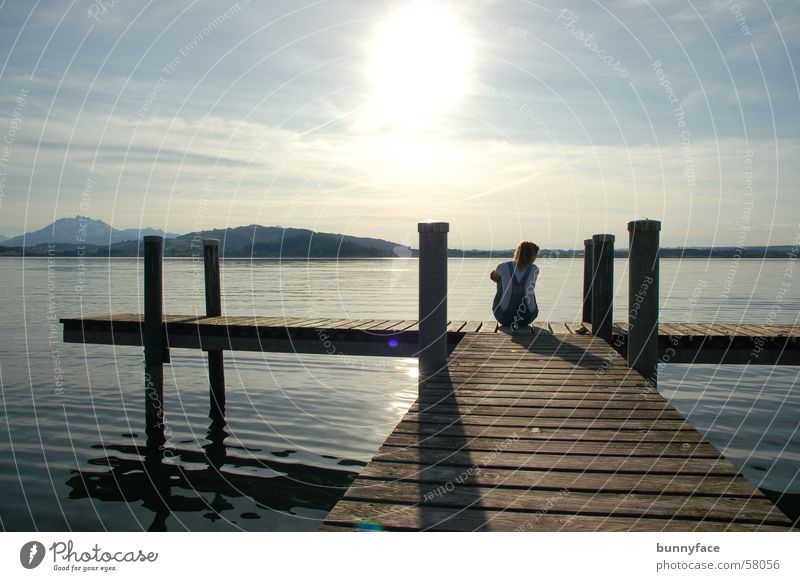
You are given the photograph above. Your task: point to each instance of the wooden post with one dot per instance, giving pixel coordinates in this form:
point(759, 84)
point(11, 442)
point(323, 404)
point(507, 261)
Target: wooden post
point(216, 365)
point(432, 297)
point(154, 343)
point(643, 274)
point(587, 281)
point(602, 285)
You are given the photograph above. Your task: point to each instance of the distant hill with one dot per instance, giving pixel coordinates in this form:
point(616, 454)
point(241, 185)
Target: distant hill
point(252, 241)
point(255, 241)
point(81, 230)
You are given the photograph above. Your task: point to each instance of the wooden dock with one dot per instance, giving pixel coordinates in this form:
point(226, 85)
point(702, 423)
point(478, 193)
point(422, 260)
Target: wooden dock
point(555, 427)
point(543, 430)
point(522, 433)
point(678, 343)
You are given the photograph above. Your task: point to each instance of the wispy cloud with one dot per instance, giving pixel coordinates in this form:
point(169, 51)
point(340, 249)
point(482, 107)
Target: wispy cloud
point(266, 102)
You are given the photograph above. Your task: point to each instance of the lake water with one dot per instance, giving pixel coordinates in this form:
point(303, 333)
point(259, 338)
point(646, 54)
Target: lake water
point(300, 427)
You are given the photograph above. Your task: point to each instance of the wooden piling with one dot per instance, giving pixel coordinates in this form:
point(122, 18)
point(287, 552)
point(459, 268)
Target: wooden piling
point(432, 297)
point(643, 275)
point(588, 272)
point(602, 285)
point(216, 365)
point(154, 341)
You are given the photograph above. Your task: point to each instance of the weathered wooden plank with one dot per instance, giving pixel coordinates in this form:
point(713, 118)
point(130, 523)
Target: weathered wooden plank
point(416, 517)
point(578, 481)
point(371, 324)
point(488, 327)
point(564, 328)
point(522, 401)
point(754, 330)
point(537, 433)
point(716, 329)
point(296, 323)
point(500, 365)
point(401, 326)
point(518, 411)
point(537, 355)
point(527, 377)
point(385, 326)
point(452, 419)
point(471, 327)
point(674, 329)
point(455, 326)
point(541, 326)
point(610, 448)
point(561, 328)
point(315, 323)
point(547, 383)
point(754, 511)
point(350, 324)
point(701, 330)
point(587, 462)
point(548, 397)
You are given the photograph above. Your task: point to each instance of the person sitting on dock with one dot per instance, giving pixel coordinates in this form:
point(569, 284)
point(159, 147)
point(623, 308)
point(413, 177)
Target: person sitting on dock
point(514, 303)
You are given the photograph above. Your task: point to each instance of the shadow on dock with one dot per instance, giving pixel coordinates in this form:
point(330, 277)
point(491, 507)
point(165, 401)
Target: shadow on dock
point(544, 344)
point(437, 394)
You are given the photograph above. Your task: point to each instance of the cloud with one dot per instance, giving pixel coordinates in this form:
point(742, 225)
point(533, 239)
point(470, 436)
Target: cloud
point(264, 118)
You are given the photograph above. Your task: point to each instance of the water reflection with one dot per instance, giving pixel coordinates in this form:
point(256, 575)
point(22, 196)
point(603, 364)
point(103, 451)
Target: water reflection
point(179, 480)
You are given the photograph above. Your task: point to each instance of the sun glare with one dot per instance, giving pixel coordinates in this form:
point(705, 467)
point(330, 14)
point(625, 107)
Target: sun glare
point(421, 58)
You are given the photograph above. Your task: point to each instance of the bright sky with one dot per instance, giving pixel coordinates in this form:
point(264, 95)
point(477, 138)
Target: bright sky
point(510, 119)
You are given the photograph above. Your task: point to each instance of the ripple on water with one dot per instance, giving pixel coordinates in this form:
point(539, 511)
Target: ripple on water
point(754, 428)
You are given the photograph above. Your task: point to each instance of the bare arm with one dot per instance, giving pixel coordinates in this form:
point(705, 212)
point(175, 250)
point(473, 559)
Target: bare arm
point(494, 276)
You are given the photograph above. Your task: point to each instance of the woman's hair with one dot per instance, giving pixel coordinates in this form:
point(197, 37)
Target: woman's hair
point(525, 254)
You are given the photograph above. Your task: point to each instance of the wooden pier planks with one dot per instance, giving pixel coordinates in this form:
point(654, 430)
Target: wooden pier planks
point(485, 327)
point(551, 451)
point(678, 342)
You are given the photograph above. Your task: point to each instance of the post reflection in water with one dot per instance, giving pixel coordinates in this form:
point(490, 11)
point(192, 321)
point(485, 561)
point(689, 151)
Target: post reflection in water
point(167, 481)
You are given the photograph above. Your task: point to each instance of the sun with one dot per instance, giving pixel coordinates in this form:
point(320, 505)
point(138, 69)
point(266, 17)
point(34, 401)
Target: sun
point(420, 64)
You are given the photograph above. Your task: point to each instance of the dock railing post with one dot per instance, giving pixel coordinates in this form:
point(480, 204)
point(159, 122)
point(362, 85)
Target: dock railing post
point(643, 275)
point(588, 273)
point(602, 285)
point(216, 365)
point(154, 341)
point(432, 297)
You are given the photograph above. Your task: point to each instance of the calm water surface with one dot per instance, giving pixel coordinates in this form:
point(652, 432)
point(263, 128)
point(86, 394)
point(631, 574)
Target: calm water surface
point(300, 427)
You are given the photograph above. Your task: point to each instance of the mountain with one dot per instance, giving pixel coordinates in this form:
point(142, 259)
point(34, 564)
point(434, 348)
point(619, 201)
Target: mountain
point(256, 241)
point(252, 241)
point(80, 230)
